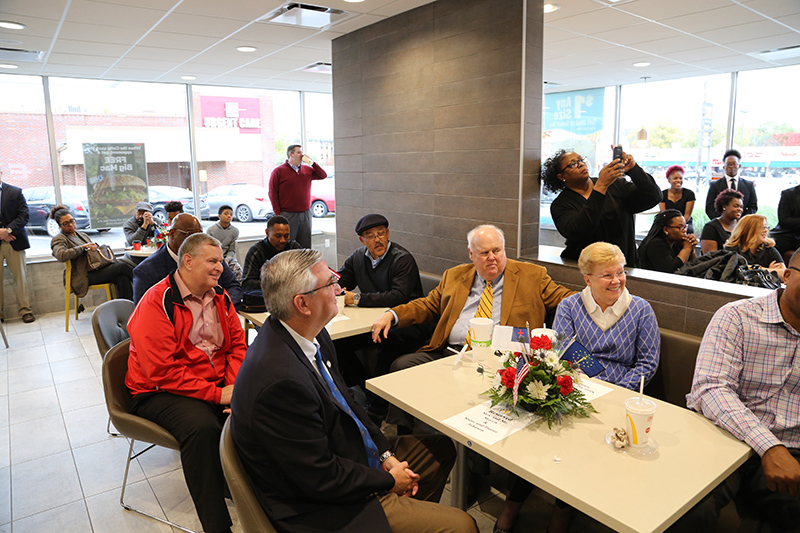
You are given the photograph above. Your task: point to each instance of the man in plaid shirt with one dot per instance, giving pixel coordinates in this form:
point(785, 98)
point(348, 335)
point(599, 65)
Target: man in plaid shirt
point(747, 380)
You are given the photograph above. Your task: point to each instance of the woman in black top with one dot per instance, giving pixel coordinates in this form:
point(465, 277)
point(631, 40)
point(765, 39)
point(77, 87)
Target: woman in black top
point(751, 239)
point(591, 210)
point(676, 197)
point(716, 232)
point(656, 251)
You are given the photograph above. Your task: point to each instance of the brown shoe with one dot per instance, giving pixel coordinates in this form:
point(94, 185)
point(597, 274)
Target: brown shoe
point(28, 318)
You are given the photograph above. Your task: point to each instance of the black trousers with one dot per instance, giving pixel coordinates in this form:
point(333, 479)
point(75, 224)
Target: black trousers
point(747, 484)
point(197, 426)
point(120, 274)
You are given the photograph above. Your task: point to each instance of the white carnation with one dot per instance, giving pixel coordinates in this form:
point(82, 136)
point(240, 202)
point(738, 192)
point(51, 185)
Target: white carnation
point(552, 360)
point(497, 382)
point(537, 390)
point(504, 358)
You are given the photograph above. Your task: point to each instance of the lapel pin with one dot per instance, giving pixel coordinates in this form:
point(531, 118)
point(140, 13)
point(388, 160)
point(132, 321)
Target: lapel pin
point(329, 364)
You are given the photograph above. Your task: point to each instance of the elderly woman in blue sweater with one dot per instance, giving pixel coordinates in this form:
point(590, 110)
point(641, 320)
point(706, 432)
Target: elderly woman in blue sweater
point(618, 329)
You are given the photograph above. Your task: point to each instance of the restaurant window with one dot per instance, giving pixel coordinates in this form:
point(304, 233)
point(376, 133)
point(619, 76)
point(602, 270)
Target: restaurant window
point(682, 122)
point(25, 151)
point(318, 123)
point(582, 121)
point(767, 133)
point(118, 143)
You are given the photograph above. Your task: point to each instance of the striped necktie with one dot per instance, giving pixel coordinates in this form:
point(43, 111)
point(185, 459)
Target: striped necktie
point(484, 305)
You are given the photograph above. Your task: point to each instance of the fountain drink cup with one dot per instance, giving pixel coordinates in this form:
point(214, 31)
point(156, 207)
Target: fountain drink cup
point(480, 334)
point(639, 420)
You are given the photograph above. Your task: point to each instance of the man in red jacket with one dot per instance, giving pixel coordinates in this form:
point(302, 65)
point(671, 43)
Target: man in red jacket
point(187, 345)
point(290, 192)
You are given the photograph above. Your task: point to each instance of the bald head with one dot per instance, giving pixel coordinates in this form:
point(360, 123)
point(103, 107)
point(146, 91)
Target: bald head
point(183, 225)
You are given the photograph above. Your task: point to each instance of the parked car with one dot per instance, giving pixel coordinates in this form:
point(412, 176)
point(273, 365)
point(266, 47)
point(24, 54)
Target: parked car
point(323, 196)
point(161, 194)
point(249, 202)
point(42, 199)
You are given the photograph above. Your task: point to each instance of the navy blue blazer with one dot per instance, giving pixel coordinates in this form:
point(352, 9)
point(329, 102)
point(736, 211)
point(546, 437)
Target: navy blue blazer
point(302, 451)
point(14, 215)
point(160, 264)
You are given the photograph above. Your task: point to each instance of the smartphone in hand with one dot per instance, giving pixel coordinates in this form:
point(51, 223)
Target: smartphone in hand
point(617, 153)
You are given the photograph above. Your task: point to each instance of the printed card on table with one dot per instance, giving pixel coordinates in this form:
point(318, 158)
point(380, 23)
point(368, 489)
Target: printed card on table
point(490, 424)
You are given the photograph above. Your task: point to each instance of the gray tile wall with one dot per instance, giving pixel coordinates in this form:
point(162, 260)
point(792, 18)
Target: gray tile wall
point(430, 127)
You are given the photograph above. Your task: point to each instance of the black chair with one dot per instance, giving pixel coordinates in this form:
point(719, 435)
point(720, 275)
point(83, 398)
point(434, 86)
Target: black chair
point(118, 402)
point(110, 326)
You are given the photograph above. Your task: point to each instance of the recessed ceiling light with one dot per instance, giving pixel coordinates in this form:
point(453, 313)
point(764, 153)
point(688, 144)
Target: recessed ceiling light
point(246, 49)
point(642, 64)
point(9, 25)
point(188, 78)
point(549, 8)
point(8, 66)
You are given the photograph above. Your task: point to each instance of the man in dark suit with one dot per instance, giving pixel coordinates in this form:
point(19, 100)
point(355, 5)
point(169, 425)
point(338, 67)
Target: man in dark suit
point(316, 461)
point(165, 260)
point(732, 161)
point(13, 243)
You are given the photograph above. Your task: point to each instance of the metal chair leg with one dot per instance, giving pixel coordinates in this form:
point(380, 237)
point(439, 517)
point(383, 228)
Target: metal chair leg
point(3, 331)
point(131, 457)
point(111, 433)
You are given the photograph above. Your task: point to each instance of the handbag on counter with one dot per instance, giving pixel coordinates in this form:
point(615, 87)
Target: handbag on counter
point(754, 276)
point(101, 257)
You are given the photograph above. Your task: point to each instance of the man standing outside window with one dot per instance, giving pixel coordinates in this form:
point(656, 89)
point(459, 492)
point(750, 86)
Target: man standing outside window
point(290, 192)
point(13, 243)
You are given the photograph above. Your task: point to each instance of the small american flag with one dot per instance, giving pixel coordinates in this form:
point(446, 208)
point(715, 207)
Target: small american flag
point(522, 371)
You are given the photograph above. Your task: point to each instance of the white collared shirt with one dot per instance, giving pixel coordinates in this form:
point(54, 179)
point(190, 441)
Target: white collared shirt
point(605, 319)
point(308, 347)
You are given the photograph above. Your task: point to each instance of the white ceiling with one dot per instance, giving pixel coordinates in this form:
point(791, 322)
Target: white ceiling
point(587, 43)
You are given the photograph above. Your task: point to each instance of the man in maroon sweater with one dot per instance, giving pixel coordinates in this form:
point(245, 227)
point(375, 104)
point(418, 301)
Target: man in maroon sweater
point(290, 192)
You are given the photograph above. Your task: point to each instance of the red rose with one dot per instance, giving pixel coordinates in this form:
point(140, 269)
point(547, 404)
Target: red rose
point(509, 374)
point(565, 382)
point(541, 342)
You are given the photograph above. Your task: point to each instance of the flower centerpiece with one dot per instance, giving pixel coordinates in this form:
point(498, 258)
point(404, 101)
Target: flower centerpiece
point(538, 380)
point(161, 233)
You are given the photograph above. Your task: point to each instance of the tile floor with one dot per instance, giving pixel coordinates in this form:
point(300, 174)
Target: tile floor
point(61, 471)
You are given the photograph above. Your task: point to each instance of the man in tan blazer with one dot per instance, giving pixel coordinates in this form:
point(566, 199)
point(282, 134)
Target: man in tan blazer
point(521, 293)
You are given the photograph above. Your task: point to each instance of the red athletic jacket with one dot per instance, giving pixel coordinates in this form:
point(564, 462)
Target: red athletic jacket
point(163, 359)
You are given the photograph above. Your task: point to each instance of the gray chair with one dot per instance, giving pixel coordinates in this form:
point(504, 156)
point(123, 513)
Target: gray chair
point(110, 323)
point(251, 514)
point(110, 326)
point(118, 402)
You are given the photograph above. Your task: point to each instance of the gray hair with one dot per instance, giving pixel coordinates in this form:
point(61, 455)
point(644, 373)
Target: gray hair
point(193, 244)
point(473, 231)
point(285, 276)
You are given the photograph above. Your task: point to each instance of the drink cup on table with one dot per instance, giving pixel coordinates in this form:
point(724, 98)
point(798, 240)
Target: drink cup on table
point(340, 304)
point(480, 334)
point(639, 414)
point(137, 245)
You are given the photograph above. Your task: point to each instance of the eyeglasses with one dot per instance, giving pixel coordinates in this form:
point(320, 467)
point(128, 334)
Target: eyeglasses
point(682, 226)
point(333, 280)
point(67, 223)
point(610, 277)
point(794, 268)
point(377, 235)
point(574, 164)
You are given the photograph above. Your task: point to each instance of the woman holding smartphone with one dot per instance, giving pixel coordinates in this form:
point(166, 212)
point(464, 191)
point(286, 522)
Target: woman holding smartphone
point(72, 245)
point(598, 209)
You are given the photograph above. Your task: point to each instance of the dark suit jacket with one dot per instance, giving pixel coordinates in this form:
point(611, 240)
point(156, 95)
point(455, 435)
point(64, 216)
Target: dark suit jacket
point(528, 293)
point(14, 215)
point(302, 451)
point(744, 186)
point(160, 264)
point(789, 212)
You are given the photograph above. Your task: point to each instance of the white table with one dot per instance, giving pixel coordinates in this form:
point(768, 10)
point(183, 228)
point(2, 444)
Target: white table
point(146, 251)
point(352, 321)
point(692, 458)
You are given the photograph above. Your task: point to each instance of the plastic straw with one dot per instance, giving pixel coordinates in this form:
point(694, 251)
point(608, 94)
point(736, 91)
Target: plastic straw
point(641, 391)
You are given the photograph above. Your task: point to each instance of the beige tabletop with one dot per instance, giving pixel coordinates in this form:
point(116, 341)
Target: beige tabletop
point(352, 321)
point(146, 251)
point(573, 462)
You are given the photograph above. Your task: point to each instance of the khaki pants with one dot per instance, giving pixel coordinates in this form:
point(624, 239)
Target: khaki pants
point(16, 265)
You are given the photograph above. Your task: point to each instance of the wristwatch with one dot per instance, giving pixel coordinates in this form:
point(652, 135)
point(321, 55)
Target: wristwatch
point(356, 297)
point(8, 230)
point(385, 455)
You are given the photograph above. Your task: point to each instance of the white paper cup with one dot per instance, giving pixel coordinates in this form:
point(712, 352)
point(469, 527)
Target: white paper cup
point(639, 420)
point(480, 334)
point(340, 303)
